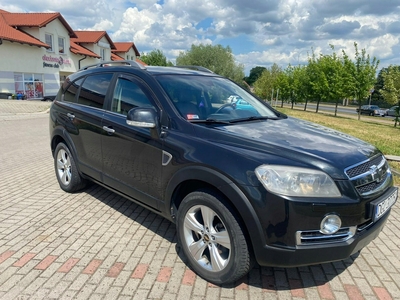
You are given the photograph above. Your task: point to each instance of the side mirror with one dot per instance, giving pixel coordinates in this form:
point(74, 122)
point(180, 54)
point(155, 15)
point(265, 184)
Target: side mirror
point(145, 117)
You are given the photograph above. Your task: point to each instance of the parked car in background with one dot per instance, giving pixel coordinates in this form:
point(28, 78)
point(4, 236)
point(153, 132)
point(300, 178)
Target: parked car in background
point(49, 98)
point(372, 110)
point(392, 111)
point(4, 95)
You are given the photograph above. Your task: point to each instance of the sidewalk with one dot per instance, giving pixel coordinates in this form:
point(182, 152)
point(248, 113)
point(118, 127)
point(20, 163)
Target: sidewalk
point(13, 107)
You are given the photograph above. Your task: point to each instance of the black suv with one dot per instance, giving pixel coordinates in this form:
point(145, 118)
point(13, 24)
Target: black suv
point(243, 183)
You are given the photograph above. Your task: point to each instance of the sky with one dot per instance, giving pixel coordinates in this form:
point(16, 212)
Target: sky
point(259, 32)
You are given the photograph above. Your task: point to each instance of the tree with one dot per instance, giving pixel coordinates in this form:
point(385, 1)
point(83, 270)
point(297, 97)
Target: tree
point(218, 59)
point(391, 89)
point(284, 83)
point(319, 88)
point(377, 97)
point(255, 73)
point(339, 81)
point(155, 58)
point(300, 84)
point(264, 86)
point(363, 74)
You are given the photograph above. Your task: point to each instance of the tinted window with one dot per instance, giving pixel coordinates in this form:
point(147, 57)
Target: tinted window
point(71, 89)
point(94, 89)
point(128, 95)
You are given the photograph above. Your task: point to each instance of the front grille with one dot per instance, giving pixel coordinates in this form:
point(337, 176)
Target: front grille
point(364, 167)
point(313, 237)
point(369, 187)
point(369, 176)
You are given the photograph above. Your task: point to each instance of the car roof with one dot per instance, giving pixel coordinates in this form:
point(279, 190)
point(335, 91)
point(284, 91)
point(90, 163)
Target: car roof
point(128, 65)
point(178, 71)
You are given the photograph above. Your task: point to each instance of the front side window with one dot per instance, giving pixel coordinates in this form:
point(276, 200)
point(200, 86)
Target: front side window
point(94, 89)
point(128, 95)
point(49, 41)
point(61, 45)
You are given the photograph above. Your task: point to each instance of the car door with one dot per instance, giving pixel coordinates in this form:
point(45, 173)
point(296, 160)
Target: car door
point(131, 155)
point(81, 110)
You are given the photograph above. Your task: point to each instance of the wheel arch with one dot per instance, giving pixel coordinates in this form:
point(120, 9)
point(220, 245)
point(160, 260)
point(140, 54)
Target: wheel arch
point(195, 178)
point(59, 135)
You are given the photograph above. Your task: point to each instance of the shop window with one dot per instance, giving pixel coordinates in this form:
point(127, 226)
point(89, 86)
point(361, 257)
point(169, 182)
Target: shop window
point(28, 85)
point(61, 45)
point(49, 41)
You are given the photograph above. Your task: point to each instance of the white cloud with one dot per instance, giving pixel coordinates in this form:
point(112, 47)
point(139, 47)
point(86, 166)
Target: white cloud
point(258, 32)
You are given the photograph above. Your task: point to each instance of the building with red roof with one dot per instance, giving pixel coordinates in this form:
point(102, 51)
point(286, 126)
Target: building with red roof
point(38, 50)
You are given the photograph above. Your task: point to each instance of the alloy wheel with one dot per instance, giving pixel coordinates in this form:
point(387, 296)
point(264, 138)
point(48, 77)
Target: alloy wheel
point(207, 239)
point(64, 167)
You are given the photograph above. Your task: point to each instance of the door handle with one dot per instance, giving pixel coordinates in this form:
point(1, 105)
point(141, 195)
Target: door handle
point(108, 130)
point(71, 116)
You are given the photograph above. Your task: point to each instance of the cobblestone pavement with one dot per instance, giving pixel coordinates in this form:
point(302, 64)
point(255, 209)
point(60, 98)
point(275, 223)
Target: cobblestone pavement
point(97, 245)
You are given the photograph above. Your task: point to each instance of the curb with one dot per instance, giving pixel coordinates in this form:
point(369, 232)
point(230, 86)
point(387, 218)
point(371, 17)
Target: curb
point(394, 158)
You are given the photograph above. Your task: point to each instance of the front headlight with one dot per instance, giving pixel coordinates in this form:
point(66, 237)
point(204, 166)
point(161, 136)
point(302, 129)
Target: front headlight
point(294, 181)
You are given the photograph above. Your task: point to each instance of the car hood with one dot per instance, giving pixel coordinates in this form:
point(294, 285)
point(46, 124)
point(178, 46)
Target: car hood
point(299, 140)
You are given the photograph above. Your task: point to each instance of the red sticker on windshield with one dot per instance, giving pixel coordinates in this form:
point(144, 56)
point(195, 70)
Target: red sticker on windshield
point(192, 117)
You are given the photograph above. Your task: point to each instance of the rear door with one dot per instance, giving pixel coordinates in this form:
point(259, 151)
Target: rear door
point(131, 155)
point(82, 112)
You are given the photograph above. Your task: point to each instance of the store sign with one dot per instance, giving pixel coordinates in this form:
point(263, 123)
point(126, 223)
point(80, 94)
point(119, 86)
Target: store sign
point(54, 62)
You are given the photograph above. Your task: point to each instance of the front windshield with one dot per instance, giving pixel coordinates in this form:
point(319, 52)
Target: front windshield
point(210, 98)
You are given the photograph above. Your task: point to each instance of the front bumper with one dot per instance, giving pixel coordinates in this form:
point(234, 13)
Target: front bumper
point(308, 254)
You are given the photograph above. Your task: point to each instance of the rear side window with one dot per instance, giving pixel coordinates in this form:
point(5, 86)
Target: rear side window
point(94, 89)
point(70, 90)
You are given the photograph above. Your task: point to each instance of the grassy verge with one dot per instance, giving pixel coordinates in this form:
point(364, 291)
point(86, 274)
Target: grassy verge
point(381, 134)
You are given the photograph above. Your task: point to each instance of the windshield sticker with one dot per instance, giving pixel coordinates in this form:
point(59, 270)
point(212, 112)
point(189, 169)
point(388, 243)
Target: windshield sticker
point(192, 117)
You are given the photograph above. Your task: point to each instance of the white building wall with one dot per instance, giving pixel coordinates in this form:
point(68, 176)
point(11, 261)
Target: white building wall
point(49, 65)
point(26, 59)
point(131, 54)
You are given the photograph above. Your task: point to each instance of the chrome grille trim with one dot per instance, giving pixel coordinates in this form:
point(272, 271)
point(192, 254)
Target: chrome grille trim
point(370, 176)
point(363, 167)
point(315, 237)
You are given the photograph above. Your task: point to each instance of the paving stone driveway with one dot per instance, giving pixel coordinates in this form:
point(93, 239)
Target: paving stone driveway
point(97, 245)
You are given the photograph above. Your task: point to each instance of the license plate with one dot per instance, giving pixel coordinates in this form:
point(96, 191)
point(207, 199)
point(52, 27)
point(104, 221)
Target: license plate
point(381, 207)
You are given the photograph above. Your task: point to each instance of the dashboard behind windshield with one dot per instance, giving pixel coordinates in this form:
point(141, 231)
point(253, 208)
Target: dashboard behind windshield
point(212, 98)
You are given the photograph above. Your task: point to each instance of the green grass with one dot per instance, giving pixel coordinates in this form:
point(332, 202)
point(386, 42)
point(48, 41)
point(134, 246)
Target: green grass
point(379, 132)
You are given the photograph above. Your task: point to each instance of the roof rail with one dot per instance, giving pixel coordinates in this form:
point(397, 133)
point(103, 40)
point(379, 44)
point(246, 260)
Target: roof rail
point(111, 63)
point(197, 68)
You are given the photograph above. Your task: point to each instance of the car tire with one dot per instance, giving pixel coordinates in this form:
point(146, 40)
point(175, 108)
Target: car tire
point(67, 173)
point(212, 239)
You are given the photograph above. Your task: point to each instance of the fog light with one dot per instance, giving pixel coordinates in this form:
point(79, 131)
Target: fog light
point(330, 224)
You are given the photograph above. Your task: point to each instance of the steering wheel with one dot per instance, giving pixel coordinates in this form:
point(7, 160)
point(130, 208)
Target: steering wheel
point(226, 105)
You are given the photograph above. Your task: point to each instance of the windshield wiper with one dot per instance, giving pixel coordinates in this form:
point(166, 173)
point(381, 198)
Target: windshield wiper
point(211, 121)
point(254, 118)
